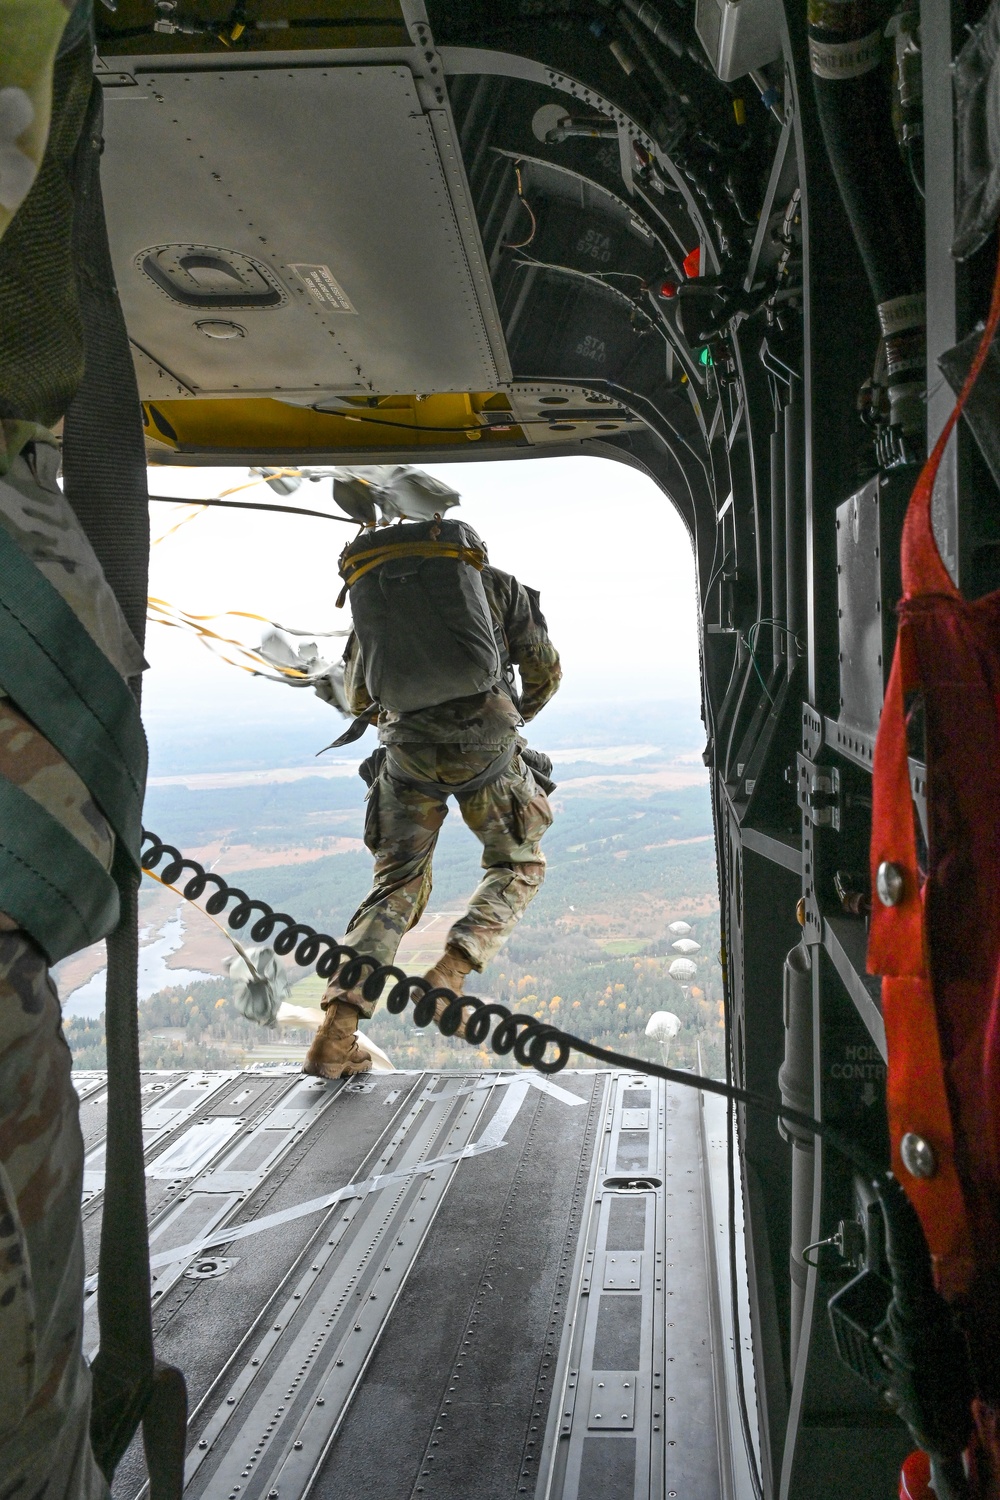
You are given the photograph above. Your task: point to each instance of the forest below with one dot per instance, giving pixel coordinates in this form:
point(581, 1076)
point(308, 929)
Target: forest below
point(586, 988)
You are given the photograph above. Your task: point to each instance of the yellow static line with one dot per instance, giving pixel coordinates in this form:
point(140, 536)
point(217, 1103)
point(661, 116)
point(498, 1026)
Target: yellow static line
point(194, 511)
point(226, 934)
point(160, 612)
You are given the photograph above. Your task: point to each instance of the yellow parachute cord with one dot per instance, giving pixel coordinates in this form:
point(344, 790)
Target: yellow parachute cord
point(226, 934)
point(193, 512)
point(162, 613)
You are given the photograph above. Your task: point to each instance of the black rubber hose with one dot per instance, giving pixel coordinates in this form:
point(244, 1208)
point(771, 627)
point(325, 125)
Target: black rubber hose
point(534, 1043)
point(852, 100)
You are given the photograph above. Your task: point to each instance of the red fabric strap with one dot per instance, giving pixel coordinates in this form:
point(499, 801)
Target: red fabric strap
point(938, 948)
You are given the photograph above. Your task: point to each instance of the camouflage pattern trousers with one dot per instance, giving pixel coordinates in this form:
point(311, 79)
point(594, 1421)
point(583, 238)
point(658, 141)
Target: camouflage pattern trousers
point(402, 823)
point(44, 1381)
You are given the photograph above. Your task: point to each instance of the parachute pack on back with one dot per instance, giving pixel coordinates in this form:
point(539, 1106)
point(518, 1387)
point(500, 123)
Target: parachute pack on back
point(421, 614)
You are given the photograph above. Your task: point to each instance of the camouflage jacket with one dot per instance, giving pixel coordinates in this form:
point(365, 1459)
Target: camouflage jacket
point(35, 513)
point(486, 719)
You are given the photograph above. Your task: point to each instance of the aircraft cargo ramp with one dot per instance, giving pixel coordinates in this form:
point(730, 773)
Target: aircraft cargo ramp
point(463, 1286)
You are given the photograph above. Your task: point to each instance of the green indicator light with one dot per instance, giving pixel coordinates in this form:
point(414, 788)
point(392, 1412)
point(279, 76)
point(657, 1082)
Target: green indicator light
point(705, 357)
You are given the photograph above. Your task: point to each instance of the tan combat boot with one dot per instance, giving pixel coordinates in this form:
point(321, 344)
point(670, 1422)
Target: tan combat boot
point(335, 1053)
point(449, 973)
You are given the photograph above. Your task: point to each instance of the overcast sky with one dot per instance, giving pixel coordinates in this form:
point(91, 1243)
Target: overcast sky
point(608, 552)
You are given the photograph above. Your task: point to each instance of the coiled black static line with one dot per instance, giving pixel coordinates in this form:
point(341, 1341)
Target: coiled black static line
point(534, 1044)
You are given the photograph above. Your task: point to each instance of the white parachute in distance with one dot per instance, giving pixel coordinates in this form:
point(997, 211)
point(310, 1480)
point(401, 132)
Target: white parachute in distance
point(663, 1023)
point(683, 970)
point(662, 1027)
point(686, 945)
point(679, 929)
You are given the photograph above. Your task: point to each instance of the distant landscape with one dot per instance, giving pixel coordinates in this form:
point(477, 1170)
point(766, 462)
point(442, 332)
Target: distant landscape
point(630, 852)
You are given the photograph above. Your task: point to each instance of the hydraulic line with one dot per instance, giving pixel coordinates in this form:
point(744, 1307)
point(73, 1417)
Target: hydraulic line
point(795, 522)
point(535, 1044)
point(778, 580)
point(845, 54)
point(651, 18)
point(647, 55)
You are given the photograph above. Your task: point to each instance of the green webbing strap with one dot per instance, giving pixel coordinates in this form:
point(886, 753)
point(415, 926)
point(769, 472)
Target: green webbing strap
point(69, 690)
point(52, 887)
point(104, 465)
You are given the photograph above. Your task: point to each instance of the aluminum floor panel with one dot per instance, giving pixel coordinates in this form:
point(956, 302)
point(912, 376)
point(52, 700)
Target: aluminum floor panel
point(438, 1287)
point(459, 1387)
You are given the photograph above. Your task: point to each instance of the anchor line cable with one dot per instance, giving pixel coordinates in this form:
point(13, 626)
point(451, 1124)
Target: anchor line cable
point(288, 510)
point(534, 1044)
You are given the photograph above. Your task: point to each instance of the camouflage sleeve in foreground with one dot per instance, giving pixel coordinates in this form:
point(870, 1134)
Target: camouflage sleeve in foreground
point(519, 610)
point(31, 762)
point(34, 511)
point(44, 1380)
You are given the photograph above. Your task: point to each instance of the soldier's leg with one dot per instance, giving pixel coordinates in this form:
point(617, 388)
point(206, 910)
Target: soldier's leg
point(44, 1382)
point(401, 830)
point(509, 817)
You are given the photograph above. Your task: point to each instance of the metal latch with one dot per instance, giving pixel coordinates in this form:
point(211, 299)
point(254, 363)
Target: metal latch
point(818, 793)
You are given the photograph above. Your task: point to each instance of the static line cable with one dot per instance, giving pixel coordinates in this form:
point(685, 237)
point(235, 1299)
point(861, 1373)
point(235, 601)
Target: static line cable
point(511, 419)
point(289, 510)
point(350, 416)
point(535, 1044)
point(196, 506)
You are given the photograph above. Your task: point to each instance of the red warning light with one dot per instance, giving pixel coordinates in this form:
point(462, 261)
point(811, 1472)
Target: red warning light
point(668, 289)
point(692, 262)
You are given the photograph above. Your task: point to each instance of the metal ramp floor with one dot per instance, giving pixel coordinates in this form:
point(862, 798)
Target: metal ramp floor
point(454, 1286)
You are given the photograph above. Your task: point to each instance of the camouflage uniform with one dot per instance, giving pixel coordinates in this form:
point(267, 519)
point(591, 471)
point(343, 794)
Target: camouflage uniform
point(44, 1381)
point(451, 744)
